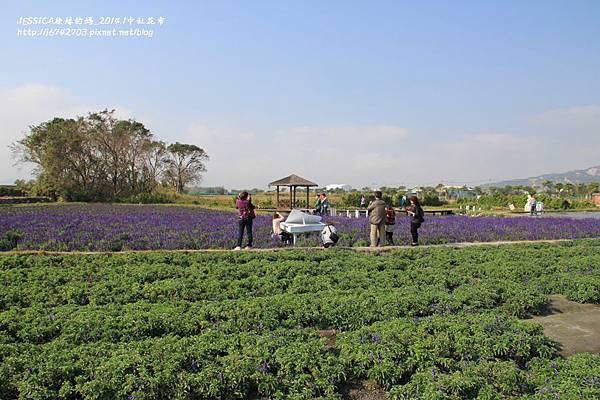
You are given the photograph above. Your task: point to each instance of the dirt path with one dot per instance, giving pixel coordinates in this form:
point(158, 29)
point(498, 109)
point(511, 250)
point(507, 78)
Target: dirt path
point(575, 326)
point(276, 249)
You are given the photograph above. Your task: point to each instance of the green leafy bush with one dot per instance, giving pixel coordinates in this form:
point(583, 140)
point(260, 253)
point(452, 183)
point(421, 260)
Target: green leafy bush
point(10, 239)
point(421, 323)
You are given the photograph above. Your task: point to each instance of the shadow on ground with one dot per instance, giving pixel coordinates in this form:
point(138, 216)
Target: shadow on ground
point(364, 390)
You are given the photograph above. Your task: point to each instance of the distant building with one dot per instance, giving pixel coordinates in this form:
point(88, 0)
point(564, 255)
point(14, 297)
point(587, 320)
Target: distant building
point(336, 186)
point(596, 199)
point(457, 193)
point(416, 191)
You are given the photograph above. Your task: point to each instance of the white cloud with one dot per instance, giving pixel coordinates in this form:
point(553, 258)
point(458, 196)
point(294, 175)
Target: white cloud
point(322, 154)
point(574, 133)
point(20, 107)
point(31, 104)
point(380, 155)
point(579, 117)
point(374, 155)
point(333, 135)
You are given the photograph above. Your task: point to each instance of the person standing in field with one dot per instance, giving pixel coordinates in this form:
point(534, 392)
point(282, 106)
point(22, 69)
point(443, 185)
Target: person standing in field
point(318, 205)
point(403, 202)
point(324, 204)
point(532, 205)
point(246, 217)
point(417, 218)
point(363, 201)
point(390, 224)
point(377, 220)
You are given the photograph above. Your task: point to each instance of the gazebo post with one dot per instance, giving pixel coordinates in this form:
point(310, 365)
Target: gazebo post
point(277, 204)
point(294, 205)
point(307, 194)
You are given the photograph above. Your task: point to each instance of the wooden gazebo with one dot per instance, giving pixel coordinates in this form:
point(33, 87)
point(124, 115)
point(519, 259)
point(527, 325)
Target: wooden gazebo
point(293, 182)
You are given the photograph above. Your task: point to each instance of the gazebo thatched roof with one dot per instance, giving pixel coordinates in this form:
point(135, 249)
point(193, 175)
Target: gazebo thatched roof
point(292, 180)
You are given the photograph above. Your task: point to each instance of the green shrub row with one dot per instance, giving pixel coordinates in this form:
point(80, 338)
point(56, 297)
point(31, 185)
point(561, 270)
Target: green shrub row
point(421, 323)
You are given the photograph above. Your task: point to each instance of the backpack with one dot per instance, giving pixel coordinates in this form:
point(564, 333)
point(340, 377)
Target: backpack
point(247, 212)
point(421, 216)
point(333, 236)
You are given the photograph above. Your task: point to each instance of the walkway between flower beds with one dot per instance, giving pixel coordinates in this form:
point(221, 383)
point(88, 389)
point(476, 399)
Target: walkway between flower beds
point(574, 325)
point(275, 249)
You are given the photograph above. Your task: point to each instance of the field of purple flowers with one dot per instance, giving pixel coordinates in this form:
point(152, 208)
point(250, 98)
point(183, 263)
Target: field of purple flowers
point(115, 227)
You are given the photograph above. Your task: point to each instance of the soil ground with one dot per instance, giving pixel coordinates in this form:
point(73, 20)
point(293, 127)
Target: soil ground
point(365, 390)
point(575, 326)
point(275, 249)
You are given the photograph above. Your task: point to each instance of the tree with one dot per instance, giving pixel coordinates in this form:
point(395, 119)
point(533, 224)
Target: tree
point(60, 148)
point(152, 165)
point(122, 144)
point(581, 190)
point(25, 186)
point(549, 185)
point(184, 165)
point(569, 188)
point(92, 158)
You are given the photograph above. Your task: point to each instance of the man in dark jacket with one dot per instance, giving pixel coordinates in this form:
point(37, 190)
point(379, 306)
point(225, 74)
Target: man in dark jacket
point(377, 220)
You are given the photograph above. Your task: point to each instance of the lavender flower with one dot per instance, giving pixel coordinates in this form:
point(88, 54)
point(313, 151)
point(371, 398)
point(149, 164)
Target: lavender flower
point(264, 367)
point(103, 227)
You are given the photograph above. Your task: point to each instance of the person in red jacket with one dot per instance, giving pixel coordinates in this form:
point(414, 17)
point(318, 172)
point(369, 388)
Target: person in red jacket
point(390, 224)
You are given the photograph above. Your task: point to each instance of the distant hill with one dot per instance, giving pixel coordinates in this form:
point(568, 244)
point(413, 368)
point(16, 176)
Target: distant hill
point(578, 176)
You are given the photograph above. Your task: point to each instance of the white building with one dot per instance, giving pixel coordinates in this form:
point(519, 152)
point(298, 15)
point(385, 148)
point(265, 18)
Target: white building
point(336, 186)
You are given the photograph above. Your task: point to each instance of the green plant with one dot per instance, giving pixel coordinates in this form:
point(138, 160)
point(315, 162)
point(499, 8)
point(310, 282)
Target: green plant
point(149, 198)
point(10, 239)
point(429, 323)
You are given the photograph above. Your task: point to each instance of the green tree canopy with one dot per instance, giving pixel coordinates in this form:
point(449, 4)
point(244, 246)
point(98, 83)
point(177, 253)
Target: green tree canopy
point(184, 164)
point(102, 158)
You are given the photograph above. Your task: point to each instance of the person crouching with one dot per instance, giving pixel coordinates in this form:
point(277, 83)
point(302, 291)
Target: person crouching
point(329, 236)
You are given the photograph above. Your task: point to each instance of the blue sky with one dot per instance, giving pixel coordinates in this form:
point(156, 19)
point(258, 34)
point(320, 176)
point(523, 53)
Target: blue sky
point(366, 93)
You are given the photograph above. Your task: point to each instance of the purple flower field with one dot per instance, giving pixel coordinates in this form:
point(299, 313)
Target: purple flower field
point(114, 227)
